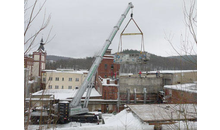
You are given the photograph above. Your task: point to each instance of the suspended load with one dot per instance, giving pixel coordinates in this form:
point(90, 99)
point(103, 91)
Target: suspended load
point(132, 58)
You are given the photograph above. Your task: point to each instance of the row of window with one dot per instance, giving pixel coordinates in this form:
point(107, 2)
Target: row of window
point(57, 79)
point(106, 66)
point(62, 87)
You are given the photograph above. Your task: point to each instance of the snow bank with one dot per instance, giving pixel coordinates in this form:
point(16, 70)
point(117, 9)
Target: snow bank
point(126, 120)
point(123, 120)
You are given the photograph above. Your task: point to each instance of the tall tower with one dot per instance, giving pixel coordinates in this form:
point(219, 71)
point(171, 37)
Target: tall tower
point(39, 57)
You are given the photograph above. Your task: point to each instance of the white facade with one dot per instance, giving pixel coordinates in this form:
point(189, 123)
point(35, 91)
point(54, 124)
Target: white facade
point(63, 79)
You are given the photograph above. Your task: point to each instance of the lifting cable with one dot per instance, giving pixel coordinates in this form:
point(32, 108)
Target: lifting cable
point(127, 34)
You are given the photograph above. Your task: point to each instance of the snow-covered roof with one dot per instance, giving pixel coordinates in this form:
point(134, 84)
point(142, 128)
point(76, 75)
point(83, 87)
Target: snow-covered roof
point(125, 117)
point(31, 81)
point(109, 55)
point(104, 82)
point(165, 112)
point(108, 58)
point(68, 71)
point(65, 93)
point(125, 74)
point(171, 71)
point(189, 87)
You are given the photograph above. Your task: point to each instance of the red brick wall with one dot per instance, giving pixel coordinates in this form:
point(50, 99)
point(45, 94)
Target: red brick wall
point(109, 92)
point(181, 97)
point(107, 71)
point(98, 84)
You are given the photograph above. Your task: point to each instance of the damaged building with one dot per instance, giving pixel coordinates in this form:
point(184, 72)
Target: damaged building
point(124, 88)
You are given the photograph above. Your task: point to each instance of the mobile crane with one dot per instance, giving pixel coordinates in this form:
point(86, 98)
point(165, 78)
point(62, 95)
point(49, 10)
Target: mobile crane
point(73, 111)
point(75, 107)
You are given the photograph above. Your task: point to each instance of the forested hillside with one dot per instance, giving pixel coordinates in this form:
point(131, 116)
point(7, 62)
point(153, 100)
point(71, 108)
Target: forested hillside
point(69, 63)
point(155, 63)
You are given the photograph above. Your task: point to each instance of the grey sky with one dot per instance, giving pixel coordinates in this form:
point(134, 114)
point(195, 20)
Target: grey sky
point(82, 26)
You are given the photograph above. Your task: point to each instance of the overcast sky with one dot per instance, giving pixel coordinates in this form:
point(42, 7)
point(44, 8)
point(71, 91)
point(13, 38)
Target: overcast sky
point(82, 26)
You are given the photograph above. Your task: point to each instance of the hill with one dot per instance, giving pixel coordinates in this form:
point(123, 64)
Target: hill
point(162, 63)
point(187, 58)
point(155, 63)
point(54, 62)
point(56, 58)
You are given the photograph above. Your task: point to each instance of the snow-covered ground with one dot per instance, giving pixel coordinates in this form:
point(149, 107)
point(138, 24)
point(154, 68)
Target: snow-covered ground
point(121, 121)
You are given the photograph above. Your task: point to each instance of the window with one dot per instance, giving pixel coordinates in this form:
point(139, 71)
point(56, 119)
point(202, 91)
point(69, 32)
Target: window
point(50, 78)
point(181, 94)
point(70, 79)
point(44, 79)
point(62, 87)
point(50, 86)
point(77, 79)
point(170, 92)
point(112, 66)
point(56, 87)
point(69, 87)
point(62, 79)
point(57, 79)
point(106, 66)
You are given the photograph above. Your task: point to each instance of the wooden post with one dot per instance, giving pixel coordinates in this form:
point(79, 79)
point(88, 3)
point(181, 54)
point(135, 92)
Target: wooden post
point(157, 127)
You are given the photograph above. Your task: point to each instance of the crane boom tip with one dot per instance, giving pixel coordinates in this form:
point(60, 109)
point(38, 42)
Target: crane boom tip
point(132, 6)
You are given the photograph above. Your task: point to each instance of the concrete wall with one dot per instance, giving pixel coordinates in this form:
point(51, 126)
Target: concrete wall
point(171, 78)
point(185, 77)
point(153, 85)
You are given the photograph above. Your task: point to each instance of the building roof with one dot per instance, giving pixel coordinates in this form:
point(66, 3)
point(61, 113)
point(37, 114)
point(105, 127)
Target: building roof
point(189, 87)
point(41, 47)
point(171, 71)
point(165, 112)
point(67, 71)
point(65, 93)
point(104, 81)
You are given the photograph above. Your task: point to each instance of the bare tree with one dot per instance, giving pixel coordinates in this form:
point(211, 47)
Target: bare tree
point(43, 106)
point(31, 12)
point(188, 40)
